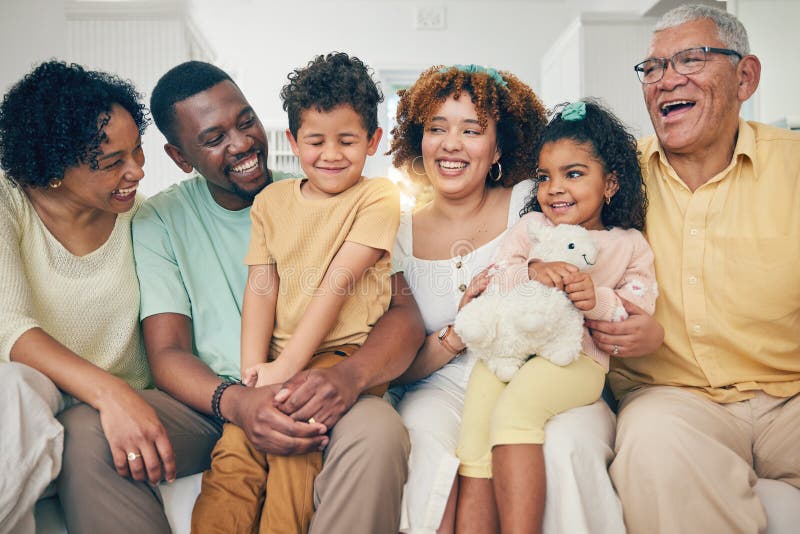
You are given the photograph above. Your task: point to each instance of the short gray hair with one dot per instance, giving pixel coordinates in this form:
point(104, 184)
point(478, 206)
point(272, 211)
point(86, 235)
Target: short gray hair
point(730, 29)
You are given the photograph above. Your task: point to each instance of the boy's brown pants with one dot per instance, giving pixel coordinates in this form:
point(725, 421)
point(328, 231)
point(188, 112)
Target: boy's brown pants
point(281, 503)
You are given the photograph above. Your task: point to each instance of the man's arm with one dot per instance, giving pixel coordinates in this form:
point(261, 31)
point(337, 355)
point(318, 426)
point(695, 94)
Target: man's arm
point(177, 371)
point(326, 394)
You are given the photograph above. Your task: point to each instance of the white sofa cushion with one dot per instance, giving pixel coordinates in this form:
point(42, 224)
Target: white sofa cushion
point(781, 502)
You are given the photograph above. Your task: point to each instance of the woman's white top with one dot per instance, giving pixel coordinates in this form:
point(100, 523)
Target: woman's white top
point(438, 285)
point(431, 407)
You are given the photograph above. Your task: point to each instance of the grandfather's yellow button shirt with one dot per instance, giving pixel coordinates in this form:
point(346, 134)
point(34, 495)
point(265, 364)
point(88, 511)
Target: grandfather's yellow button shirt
point(728, 265)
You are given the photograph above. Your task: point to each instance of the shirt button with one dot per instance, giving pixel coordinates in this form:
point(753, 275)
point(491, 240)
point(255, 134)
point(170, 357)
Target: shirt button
point(693, 280)
point(462, 287)
point(696, 329)
point(458, 265)
point(693, 231)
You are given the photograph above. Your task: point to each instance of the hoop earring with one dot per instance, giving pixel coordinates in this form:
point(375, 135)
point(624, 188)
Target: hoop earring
point(499, 173)
point(414, 169)
point(54, 183)
point(608, 200)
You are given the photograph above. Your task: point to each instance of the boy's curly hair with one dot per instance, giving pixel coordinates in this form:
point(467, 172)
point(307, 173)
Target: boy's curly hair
point(329, 81)
point(616, 149)
point(54, 119)
point(519, 115)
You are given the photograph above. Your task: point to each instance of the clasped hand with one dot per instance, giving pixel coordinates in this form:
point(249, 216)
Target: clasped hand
point(293, 417)
point(265, 374)
point(577, 284)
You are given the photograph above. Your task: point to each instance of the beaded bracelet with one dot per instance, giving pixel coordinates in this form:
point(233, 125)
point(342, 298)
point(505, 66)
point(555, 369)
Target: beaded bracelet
point(217, 397)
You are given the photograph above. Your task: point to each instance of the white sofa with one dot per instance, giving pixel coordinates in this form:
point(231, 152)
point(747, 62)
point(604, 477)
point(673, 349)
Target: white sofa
point(781, 501)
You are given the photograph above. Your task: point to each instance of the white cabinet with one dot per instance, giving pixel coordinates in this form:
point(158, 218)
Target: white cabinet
point(594, 57)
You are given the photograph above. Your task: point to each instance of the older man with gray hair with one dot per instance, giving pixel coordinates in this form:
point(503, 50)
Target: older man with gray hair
point(717, 406)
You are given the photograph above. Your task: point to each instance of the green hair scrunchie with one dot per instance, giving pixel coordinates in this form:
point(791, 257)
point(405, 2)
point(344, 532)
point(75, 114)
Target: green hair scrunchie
point(489, 71)
point(574, 111)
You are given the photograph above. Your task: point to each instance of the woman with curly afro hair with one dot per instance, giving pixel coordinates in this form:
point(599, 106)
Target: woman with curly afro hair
point(471, 132)
point(71, 154)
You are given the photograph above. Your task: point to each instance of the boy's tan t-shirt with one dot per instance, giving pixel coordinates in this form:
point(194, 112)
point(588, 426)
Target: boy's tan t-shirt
point(302, 236)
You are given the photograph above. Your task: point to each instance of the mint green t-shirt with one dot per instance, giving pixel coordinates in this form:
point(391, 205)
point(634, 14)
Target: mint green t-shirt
point(189, 254)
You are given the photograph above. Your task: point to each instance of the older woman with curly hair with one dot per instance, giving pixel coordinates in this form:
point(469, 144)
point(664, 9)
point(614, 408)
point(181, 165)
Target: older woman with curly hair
point(470, 132)
point(70, 345)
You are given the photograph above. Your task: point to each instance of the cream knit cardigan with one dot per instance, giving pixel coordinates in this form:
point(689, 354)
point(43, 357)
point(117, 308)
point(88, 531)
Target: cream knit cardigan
point(88, 303)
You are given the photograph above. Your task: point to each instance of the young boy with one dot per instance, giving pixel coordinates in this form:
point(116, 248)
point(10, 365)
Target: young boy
point(318, 280)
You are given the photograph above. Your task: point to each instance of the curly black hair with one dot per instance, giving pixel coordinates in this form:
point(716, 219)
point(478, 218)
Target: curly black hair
point(177, 84)
point(616, 149)
point(328, 81)
point(54, 119)
point(519, 115)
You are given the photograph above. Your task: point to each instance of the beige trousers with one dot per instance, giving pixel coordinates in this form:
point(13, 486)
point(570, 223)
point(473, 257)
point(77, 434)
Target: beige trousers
point(687, 464)
point(31, 443)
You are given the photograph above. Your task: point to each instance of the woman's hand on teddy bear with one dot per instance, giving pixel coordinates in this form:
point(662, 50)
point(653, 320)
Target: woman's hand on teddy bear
point(477, 286)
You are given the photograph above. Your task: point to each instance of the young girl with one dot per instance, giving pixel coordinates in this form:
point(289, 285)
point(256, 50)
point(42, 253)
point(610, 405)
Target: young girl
point(588, 174)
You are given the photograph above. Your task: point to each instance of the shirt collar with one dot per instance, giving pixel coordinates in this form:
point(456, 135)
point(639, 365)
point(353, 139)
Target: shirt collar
point(745, 146)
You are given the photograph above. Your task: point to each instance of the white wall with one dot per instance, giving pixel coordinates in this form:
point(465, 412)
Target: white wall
point(138, 41)
point(583, 60)
point(561, 71)
point(773, 27)
point(594, 57)
point(612, 47)
point(261, 41)
point(30, 30)
point(139, 46)
point(280, 36)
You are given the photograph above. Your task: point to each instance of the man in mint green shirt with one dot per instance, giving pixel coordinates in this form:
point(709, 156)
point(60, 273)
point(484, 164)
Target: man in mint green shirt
point(201, 278)
point(189, 242)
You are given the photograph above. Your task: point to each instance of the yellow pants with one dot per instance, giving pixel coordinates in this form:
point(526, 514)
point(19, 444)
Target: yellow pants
point(237, 496)
point(496, 413)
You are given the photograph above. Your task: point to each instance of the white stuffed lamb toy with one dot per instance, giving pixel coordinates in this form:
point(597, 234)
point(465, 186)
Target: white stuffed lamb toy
point(506, 328)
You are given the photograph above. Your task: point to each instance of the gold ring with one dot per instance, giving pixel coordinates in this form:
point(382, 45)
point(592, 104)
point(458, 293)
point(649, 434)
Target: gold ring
point(132, 456)
point(311, 420)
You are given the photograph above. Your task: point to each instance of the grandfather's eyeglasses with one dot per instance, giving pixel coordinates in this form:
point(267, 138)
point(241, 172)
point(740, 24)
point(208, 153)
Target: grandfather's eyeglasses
point(689, 61)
